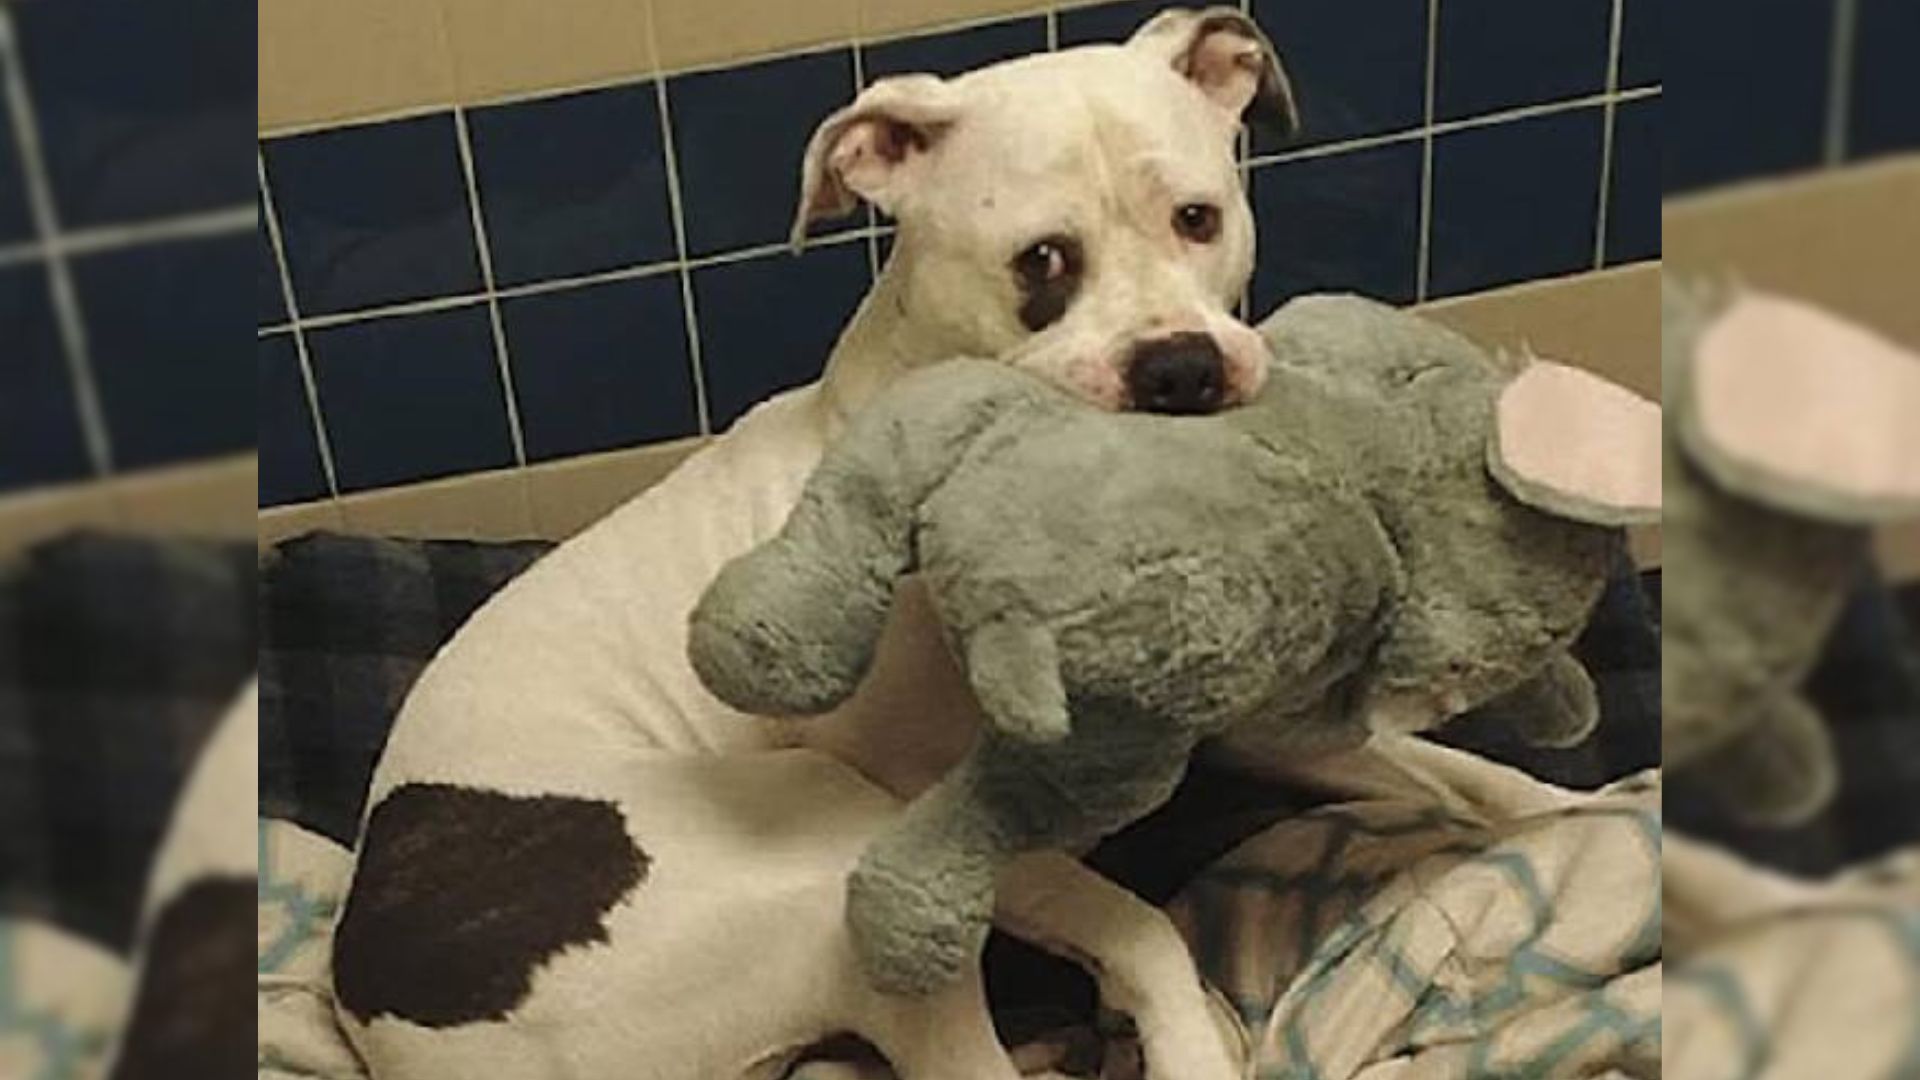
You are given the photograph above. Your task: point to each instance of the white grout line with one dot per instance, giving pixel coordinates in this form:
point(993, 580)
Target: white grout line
point(1846, 31)
point(553, 285)
point(501, 357)
point(696, 359)
point(108, 238)
point(1423, 266)
point(322, 440)
point(1053, 29)
point(46, 225)
point(1600, 223)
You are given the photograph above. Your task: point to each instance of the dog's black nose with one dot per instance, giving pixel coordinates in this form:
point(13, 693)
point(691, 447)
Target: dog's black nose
point(1181, 373)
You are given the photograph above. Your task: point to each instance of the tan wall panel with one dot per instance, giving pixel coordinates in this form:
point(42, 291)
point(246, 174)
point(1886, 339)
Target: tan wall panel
point(286, 522)
point(484, 506)
point(884, 18)
point(567, 496)
point(1848, 239)
point(1608, 321)
point(323, 61)
point(509, 47)
point(696, 33)
point(211, 499)
point(26, 518)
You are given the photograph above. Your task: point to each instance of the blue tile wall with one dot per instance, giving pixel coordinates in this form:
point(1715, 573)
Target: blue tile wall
point(595, 287)
point(270, 302)
point(739, 134)
point(290, 466)
point(1633, 202)
point(1642, 28)
point(1885, 95)
point(411, 399)
point(573, 184)
point(15, 224)
point(1358, 68)
point(951, 53)
point(129, 119)
point(161, 335)
point(40, 439)
point(1501, 54)
point(374, 214)
point(602, 366)
point(1346, 221)
point(141, 122)
point(753, 347)
point(1755, 110)
point(1109, 22)
point(1515, 201)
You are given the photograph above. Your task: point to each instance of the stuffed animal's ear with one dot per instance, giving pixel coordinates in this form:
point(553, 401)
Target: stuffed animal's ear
point(1224, 53)
point(1797, 409)
point(875, 149)
point(1570, 443)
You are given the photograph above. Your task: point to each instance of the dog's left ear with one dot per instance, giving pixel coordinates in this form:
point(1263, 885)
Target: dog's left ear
point(1224, 53)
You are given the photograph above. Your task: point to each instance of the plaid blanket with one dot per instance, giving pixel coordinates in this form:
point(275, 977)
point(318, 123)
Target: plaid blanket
point(117, 656)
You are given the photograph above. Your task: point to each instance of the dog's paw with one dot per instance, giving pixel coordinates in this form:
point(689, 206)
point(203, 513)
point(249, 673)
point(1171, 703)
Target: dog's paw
point(916, 933)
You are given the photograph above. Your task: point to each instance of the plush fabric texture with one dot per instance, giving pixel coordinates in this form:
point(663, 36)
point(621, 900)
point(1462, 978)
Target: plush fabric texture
point(1330, 559)
point(1760, 572)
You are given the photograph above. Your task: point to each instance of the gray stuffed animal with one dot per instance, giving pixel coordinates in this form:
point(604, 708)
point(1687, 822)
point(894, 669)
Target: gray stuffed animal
point(1790, 434)
point(1386, 537)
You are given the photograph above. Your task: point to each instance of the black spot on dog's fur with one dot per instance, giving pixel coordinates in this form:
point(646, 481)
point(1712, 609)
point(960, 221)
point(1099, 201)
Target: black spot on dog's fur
point(193, 1010)
point(461, 894)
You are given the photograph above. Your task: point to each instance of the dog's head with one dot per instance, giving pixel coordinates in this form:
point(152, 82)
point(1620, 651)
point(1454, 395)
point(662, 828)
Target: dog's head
point(1078, 214)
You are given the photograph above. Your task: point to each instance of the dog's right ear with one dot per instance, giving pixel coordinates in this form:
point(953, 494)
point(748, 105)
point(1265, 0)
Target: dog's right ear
point(874, 149)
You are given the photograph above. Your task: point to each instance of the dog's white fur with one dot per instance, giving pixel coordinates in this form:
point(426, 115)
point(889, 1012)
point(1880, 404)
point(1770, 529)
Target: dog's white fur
point(573, 680)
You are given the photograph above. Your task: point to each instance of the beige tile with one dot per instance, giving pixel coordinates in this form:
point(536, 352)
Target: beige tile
point(1643, 541)
point(1900, 553)
point(1848, 239)
point(572, 494)
point(483, 506)
point(506, 47)
point(28, 517)
point(883, 18)
point(277, 523)
point(1607, 321)
point(330, 60)
point(211, 499)
point(696, 33)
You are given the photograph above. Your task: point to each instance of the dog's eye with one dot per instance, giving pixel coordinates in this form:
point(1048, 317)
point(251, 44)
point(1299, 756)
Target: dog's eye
point(1197, 222)
point(1048, 273)
point(1048, 261)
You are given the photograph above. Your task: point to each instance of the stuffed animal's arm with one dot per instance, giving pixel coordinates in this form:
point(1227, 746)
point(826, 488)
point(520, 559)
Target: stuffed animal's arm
point(1780, 770)
point(790, 628)
point(1556, 708)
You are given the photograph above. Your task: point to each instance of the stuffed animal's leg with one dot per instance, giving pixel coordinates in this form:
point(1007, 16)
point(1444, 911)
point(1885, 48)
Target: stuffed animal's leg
point(921, 899)
point(1779, 771)
point(1556, 708)
point(1140, 960)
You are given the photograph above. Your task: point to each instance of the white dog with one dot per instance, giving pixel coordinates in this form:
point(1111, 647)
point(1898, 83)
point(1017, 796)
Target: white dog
point(577, 864)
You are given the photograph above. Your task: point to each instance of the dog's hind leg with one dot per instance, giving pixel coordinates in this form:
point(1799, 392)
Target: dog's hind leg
point(1132, 949)
point(948, 1035)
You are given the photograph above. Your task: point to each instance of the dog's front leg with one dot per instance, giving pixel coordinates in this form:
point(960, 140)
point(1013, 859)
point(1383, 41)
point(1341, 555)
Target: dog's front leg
point(1132, 950)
